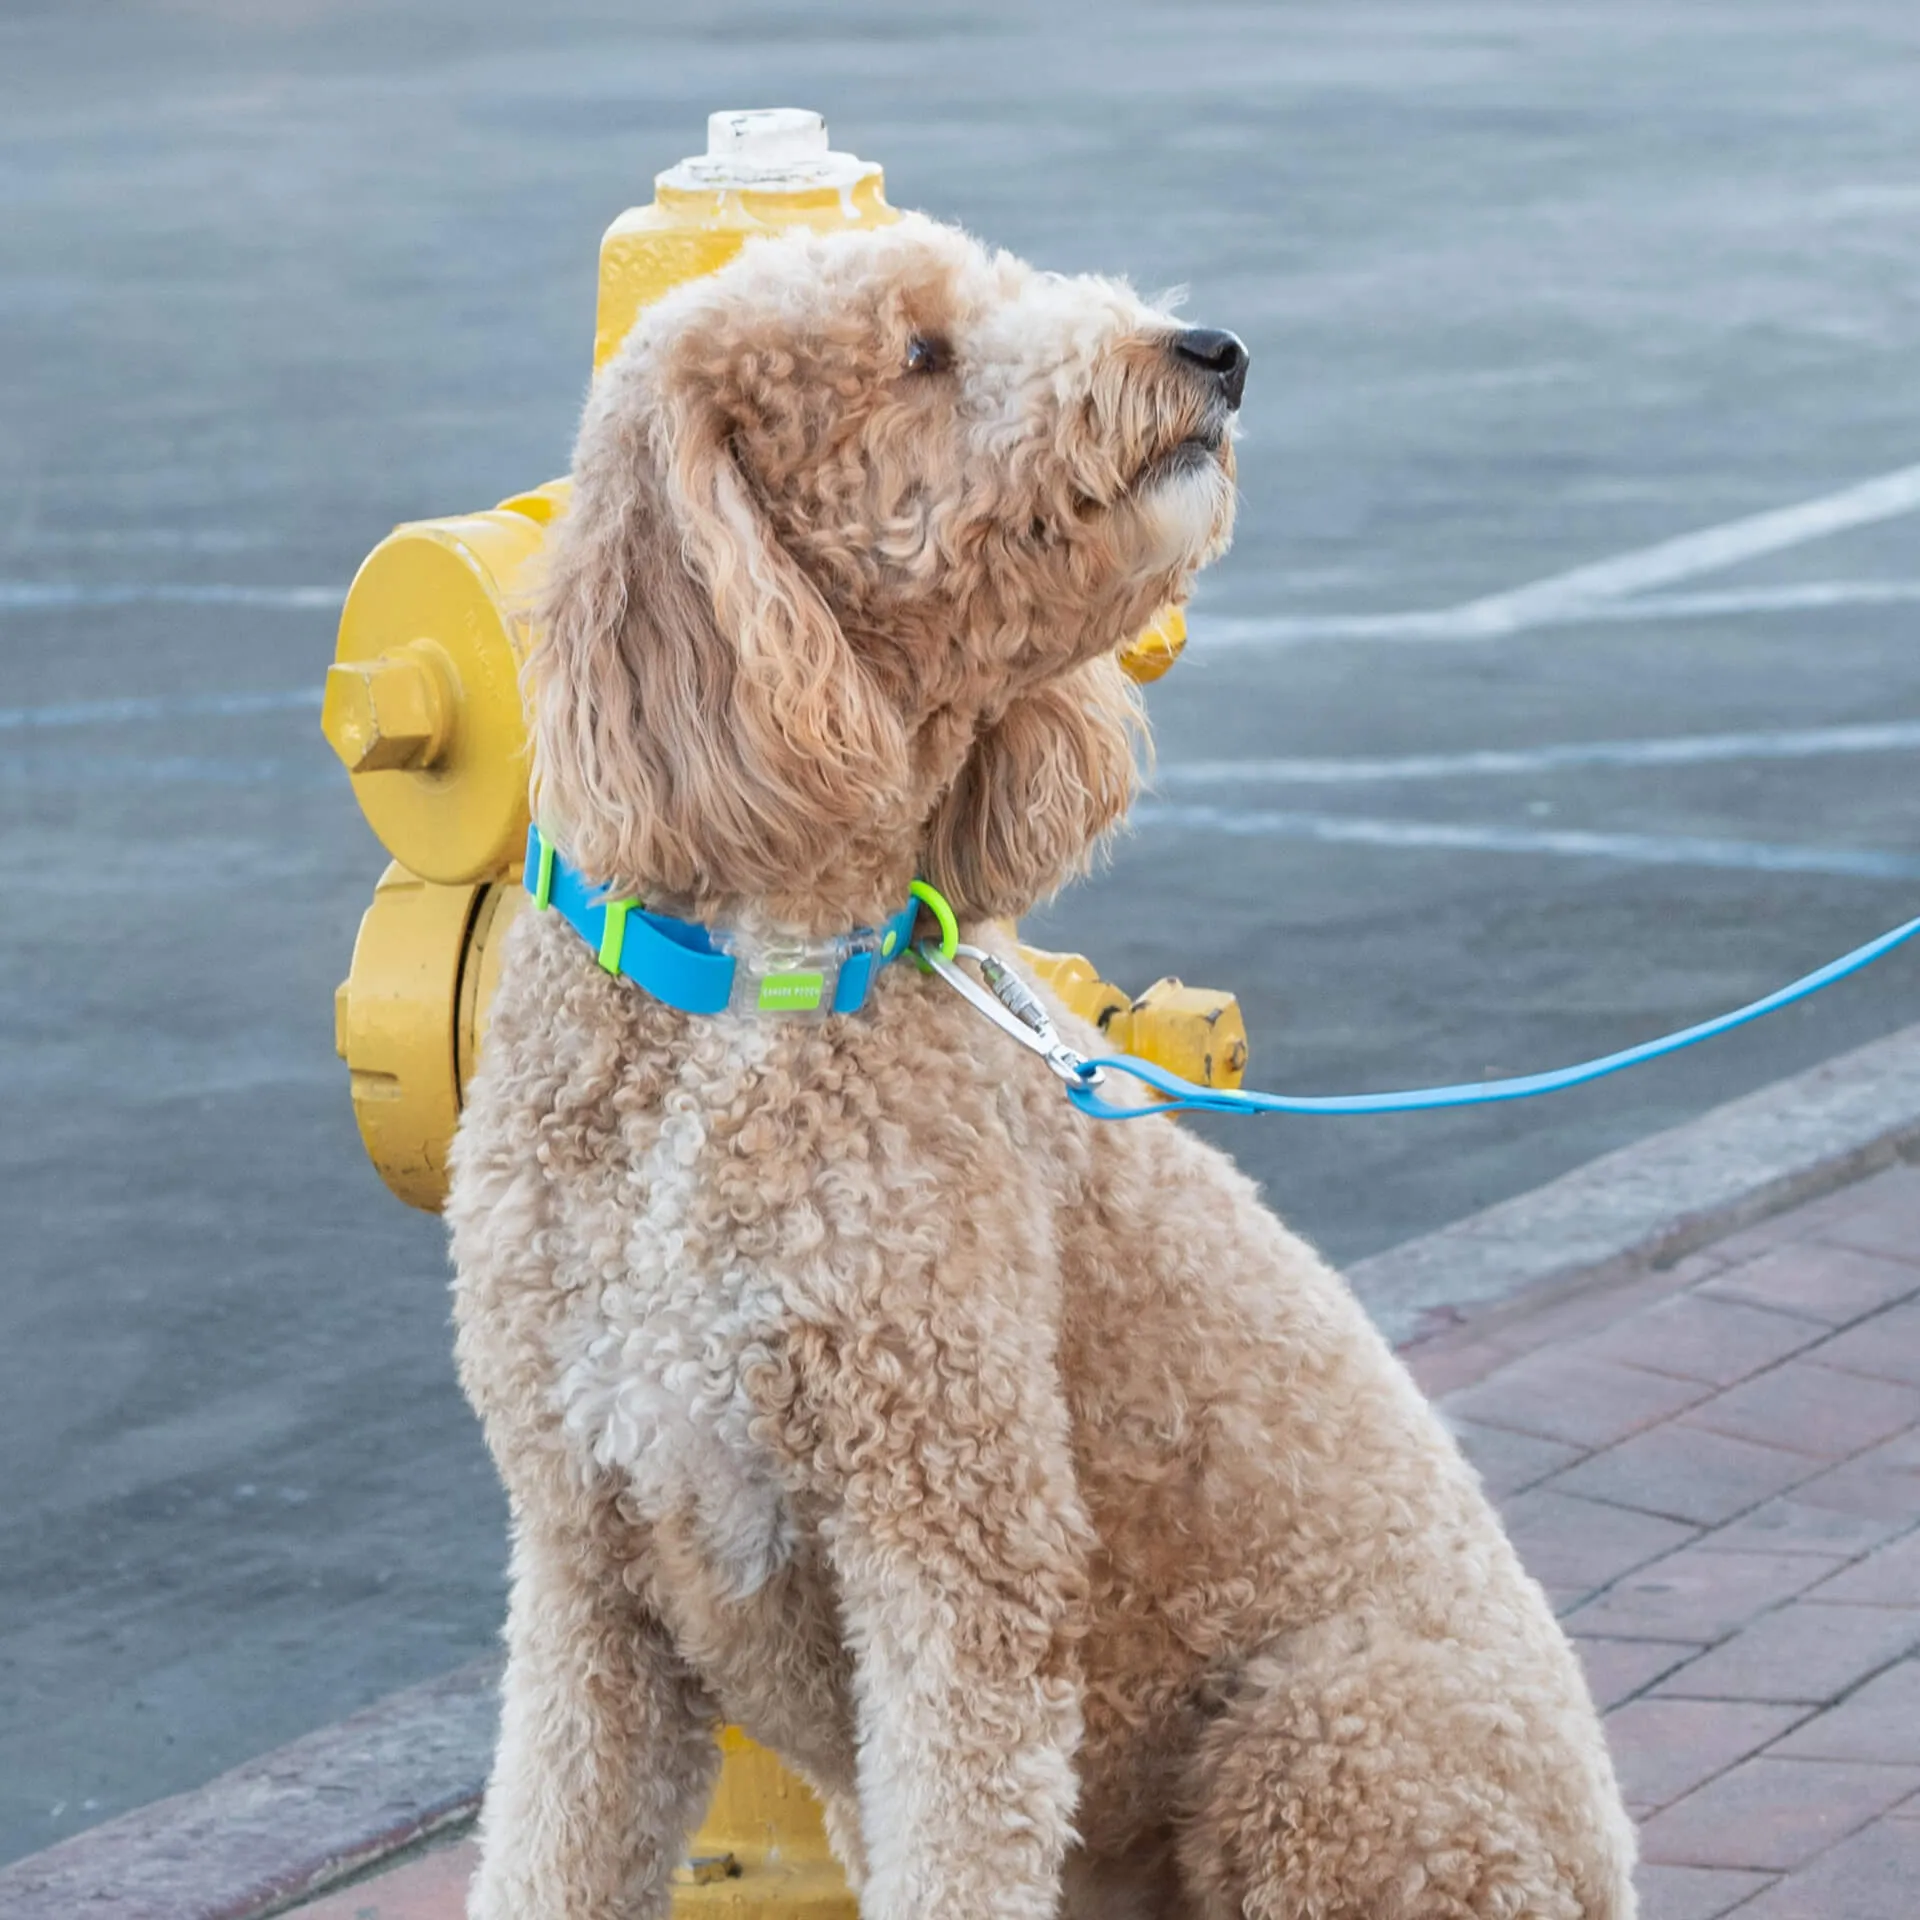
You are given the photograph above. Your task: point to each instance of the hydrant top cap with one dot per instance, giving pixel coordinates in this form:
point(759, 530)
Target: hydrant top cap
point(767, 149)
point(766, 133)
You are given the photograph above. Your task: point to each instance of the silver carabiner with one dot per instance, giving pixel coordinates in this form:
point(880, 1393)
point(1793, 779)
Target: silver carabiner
point(1013, 1007)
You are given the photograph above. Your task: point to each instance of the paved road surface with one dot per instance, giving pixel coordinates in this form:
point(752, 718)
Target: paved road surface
point(1528, 287)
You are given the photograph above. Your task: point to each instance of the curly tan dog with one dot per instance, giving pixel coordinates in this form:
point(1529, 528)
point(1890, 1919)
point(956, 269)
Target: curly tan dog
point(1018, 1478)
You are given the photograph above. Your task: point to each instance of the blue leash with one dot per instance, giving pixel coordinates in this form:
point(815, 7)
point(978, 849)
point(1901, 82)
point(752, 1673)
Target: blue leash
point(1185, 1097)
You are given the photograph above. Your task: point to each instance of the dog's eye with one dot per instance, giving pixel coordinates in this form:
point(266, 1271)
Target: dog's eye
point(927, 355)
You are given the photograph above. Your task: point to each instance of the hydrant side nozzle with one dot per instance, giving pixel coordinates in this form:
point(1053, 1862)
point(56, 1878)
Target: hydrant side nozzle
point(1150, 653)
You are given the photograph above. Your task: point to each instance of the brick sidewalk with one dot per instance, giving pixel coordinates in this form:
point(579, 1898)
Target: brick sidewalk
point(1715, 1472)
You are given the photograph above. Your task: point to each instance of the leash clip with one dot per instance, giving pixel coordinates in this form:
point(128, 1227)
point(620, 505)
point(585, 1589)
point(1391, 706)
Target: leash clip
point(1013, 1007)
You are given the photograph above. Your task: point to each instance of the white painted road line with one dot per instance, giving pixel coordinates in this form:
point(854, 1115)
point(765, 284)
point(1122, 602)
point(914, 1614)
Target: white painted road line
point(185, 706)
point(1681, 750)
point(68, 771)
point(1800, 597)
point(1709, 551)
point(1580, 592)
point(41, 596)
point(1637, 849)
point(1221, 631)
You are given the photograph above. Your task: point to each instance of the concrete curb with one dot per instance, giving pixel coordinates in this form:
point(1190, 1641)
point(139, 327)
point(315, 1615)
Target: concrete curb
point(278, 1829)
point(1652, 1203)
point(271, 1833)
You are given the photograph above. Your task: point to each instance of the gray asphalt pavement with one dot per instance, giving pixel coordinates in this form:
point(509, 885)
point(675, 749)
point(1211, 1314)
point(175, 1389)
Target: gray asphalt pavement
point(1528, 286)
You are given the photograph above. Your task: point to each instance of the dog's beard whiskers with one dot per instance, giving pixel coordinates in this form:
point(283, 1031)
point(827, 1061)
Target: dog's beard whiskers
point(1184, 513)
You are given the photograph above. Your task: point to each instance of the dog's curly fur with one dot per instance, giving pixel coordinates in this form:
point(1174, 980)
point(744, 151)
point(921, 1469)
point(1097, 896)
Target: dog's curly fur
point(1019, 1479)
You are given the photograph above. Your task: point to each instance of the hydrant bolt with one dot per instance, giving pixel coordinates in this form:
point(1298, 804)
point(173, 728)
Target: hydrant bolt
point(393, 713)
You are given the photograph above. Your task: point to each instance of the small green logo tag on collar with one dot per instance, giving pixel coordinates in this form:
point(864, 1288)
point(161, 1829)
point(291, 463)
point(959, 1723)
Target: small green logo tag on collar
point(791, 992)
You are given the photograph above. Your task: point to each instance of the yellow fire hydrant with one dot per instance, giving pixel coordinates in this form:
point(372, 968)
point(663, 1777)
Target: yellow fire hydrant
point(423, 706)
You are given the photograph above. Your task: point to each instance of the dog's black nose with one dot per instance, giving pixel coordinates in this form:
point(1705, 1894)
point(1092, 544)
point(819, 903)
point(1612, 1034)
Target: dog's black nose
point(1219, 353)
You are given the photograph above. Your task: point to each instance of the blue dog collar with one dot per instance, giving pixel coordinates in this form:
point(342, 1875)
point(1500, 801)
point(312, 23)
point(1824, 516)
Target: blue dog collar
point(699, 970)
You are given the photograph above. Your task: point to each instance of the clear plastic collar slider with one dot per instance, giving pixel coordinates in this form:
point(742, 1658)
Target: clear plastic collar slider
point(787, 976)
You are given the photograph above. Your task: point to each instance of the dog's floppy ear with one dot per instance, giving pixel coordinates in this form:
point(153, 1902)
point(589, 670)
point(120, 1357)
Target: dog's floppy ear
point(702, 728)
point(1040, 789)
